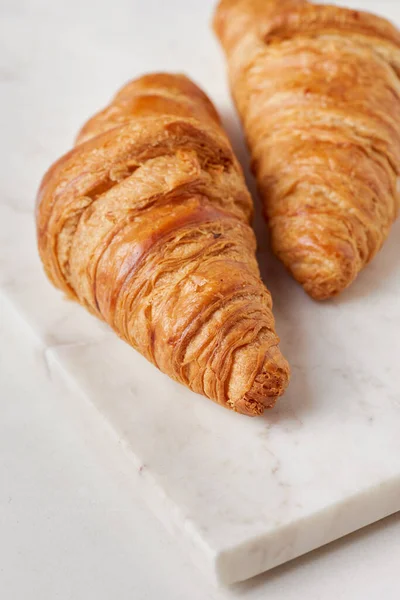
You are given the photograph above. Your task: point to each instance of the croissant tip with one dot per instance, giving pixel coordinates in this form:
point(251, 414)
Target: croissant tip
point(324, 291)
point(270, 383)
point(341, 270)
point(325, 269)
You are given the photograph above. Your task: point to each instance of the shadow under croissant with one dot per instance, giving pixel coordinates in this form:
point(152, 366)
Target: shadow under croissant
point(231, 124)
point(286, 294)
point(292, 331)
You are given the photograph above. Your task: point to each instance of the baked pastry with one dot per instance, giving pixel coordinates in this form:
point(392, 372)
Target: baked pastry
point(318, 91)
point(146, 224)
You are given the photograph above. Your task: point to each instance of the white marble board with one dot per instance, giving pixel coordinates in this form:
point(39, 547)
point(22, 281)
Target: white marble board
point(240, 495)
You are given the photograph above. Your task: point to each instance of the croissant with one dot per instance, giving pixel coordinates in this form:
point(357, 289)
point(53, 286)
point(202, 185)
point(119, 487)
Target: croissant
point(146, 224)
point(318, 91)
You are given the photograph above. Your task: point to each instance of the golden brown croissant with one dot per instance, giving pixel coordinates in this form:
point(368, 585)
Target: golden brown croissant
point(318, 91)
point(146, 224)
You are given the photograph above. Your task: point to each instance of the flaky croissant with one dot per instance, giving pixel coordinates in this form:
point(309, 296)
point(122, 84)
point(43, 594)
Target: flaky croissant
point(146, 224)
point(318, 91)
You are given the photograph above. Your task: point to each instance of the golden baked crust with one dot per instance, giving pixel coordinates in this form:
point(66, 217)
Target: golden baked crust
point(146, 224)
point(318, 91)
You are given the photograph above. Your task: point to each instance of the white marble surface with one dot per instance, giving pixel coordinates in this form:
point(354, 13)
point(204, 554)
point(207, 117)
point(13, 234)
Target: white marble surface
point(73, 524)
point(239, 495)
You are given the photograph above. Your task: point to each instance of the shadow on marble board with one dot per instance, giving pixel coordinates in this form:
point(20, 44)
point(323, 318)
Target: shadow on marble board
point(316, 558)
point(233, 128)
point(285, 292)
point(295, 340)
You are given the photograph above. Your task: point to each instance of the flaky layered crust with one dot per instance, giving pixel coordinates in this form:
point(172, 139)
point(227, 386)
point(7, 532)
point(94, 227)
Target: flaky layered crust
point(146, 224)
point(318, 91)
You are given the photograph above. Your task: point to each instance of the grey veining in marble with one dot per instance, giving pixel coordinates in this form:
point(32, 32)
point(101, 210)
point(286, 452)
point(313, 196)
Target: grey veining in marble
point(241, 495)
